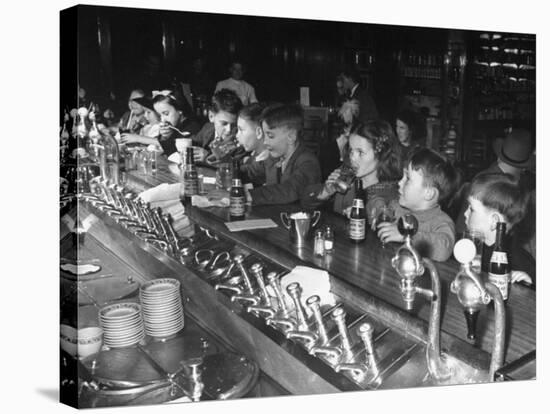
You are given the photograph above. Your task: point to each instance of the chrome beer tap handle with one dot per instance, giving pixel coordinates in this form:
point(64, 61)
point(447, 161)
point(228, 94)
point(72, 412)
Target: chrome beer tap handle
point(275, 283)
point(232, 288)
point(238, 259)
point(314, 304)
point(256, 270)
point(310, 338)
point(295, 292)
point(286, 323)
point(260, 309)
point(255, 300)
point(331, 353)
point(339, 317)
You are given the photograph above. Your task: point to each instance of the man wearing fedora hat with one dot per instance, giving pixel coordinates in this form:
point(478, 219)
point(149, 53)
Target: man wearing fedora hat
point(514, 153)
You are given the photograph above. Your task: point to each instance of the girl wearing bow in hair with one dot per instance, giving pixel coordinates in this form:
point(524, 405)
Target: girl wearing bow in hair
point(174, 122)
point(374, 160)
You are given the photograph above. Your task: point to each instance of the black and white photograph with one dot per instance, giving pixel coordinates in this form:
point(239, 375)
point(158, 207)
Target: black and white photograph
point(293, 208)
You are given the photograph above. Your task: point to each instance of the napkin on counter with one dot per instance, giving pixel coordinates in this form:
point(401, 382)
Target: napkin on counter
point(250, 224)
point(202, 201)
point(175, 157)
point(313, 282)
point(162, 192)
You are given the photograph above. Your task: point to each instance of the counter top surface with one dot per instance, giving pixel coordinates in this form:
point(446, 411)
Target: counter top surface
point(365, 266)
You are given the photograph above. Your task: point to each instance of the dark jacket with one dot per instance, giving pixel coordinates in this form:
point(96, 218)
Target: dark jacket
point(285, 187)
point(205, 136)
point(367, 107)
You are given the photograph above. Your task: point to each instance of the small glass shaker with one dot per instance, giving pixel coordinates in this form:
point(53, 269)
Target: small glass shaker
point(329, 239)
point(319, 243)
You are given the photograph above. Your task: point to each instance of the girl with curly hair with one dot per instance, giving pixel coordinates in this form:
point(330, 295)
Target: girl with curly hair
point(374, 159)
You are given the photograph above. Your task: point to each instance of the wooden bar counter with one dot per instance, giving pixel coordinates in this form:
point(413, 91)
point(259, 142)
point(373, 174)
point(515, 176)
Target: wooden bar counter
point(363, 272)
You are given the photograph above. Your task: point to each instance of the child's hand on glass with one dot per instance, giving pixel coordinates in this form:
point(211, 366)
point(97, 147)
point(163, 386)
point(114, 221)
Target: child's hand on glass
point(330, 185)
point(387, 232)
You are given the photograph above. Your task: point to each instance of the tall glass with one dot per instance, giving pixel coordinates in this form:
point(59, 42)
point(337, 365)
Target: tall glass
point(384, 214)
point(478, 239)
point(224, 175)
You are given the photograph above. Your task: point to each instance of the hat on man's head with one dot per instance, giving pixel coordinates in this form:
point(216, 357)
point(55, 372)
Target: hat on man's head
point(516, 149)
point(145, 101)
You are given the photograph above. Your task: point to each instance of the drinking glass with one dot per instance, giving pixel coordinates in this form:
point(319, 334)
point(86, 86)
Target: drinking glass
point(477, 238)
point(224, 175)
point(385, 214)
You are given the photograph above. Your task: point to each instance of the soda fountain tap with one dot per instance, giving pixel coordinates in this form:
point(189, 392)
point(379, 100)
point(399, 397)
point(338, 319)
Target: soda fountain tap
point(249, 295)
point(360, 370)
point(302, 332)
point(334, 354)
point(284, 320)
point(266, 306)
point(472, 294)
point(295, 292)
point(238, 259)
point(256, 270)
point(275, 284)
point(314, 304)
point(409, 265)
point(339, 317)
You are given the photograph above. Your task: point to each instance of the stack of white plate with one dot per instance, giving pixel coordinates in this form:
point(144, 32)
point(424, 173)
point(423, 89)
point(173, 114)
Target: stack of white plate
point(161, 307)
point(122, 324)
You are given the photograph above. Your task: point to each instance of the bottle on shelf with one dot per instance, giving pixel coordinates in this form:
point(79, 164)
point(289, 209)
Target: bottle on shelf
point(237, 200)
point(499, 269)
point(358, 217)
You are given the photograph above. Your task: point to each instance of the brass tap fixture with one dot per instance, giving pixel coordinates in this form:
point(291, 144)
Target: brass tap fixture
point(409, 265)
point(472, 294)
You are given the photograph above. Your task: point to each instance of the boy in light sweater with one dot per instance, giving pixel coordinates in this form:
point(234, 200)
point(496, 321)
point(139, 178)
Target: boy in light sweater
point(428, 179)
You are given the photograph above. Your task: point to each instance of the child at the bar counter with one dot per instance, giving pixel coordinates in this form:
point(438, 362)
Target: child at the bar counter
point(250, 137)
point(497, 198)
point(218, 135)
point(428, 179)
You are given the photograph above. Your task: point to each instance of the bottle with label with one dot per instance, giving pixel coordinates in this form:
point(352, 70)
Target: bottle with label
point(499, 269)
point(237, 200)
point(190, 179)
point(329, 239)
point(358, 216)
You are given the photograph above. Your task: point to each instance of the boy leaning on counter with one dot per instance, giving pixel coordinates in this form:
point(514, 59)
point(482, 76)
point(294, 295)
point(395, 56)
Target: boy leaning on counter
point(428, 179)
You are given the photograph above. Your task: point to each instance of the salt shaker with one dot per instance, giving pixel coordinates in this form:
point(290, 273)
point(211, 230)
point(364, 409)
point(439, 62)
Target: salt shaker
point(319, 243)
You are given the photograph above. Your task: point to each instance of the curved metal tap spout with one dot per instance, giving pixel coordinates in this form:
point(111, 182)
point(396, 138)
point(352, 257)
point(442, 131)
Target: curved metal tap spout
point(269, 312)
point(409, 265)
point(331, 353)
point(472, 293)
point(231, 288)
point(246, 298)
point(286, 323)
point(309, 338)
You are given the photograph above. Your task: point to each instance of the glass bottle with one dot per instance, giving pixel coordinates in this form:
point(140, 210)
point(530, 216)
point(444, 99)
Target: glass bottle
point(319, 243)
point(237, 200)
point(499, 269)
point(329, 239)
point(358, 217)
point(190, 185)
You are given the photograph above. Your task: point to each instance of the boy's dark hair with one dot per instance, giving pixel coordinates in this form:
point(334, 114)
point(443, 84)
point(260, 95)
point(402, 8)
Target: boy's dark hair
point(252, 112)
point(437, 171)
point(226, 100)
point(290, 116)
point(501, 192)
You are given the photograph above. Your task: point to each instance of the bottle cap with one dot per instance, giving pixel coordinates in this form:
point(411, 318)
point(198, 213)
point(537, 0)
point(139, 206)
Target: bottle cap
point(236, 182)
point(358, 203)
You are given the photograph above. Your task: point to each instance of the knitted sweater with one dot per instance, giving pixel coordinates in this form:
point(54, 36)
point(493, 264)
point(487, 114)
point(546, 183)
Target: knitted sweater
point(435, 238)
